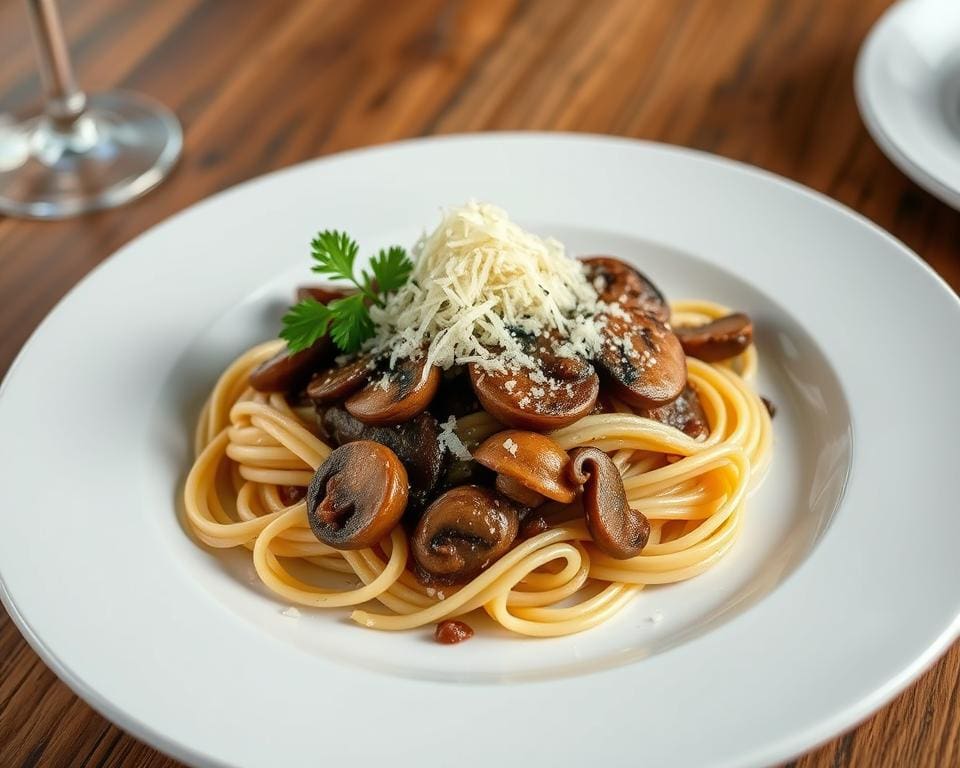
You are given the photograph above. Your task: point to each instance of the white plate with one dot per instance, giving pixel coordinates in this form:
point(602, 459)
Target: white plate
point(844, 586)
point(908, 90)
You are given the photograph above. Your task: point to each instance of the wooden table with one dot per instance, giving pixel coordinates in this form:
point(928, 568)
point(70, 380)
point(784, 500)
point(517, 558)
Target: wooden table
point(260, 85)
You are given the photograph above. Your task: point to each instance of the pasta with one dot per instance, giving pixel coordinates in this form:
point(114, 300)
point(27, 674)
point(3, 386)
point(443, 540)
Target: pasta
point(252, 445)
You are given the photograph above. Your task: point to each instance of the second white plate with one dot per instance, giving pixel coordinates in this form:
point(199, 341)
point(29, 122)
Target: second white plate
point(908, 90)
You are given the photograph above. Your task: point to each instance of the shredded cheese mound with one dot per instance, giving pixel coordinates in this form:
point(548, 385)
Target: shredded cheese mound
point(478, 282)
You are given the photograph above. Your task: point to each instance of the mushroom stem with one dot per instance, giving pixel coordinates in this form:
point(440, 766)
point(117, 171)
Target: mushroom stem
point(616, 529)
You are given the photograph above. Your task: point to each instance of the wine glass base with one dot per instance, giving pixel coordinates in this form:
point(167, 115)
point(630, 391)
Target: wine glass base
point(121, 146)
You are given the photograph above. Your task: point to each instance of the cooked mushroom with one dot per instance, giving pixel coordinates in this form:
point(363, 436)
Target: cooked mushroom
point(533, 525)
point(285, 372)
point(399, 395)
point(685, 413)
point(557, 393)
point(514, 489)
point(415, 442)
point(618, 283)
point(616, 529)
point(322, 293)
point(462, 532)
point(529, 467)
point(643, 361)
point(357, 495)
point(719, 339)
point(334, 384)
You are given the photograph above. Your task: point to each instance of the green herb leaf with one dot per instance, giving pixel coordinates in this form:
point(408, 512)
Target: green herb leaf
point(305, 323)
point(351, 322)
point(391, 268)
point(347, 319)
point(334, 253)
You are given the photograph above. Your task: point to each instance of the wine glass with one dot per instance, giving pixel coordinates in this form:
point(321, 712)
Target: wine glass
point(83, 153)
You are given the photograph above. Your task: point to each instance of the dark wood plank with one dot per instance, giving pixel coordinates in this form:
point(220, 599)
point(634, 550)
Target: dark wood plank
point(259, 86)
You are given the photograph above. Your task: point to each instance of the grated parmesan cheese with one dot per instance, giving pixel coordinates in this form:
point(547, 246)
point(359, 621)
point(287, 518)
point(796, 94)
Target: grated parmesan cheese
point(449, 439)
point(511, 446)
point(477, 281)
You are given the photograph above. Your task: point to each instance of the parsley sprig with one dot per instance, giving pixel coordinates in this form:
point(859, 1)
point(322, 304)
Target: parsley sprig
point(347, 319)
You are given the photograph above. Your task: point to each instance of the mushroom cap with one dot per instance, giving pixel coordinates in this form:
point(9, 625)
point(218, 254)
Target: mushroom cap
point(719, 339)
point(532, 459)
point(462, 532)
point(408, 391)
point(357, 495)
point(334, 384)
point(557, 393)
point(685, 413)
point(620, 283)
point(514, 489)
point(642, 359)
point(415, 442)
point(286, 370)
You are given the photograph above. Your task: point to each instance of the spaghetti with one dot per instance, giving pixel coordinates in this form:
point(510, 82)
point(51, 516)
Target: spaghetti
point(252, 445)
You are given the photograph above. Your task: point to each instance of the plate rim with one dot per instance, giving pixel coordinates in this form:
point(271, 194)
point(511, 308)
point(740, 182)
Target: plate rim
point(786, 749)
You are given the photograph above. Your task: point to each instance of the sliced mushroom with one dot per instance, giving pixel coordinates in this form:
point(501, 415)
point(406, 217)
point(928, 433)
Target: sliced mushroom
point(685, 413)
point(334, 384)
point(719, 339)
point(514, 489)
point(357, 496)
point(415, 442)
point(556, 393)
point(463, 532)
point(322, 293)
point(286, 371)
point(529, 467)
point(533, 525)
point(642, 359)
point(616, 529)
point(399, 395)
point(618, 283)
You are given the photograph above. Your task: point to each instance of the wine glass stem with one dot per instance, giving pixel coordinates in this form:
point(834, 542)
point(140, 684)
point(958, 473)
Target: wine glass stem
point(65, 101)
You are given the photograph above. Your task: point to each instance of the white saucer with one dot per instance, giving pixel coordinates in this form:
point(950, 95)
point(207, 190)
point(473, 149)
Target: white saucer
point(908, 91)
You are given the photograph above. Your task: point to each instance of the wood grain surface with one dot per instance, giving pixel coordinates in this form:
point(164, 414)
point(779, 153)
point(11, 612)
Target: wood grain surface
point(260, 85)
